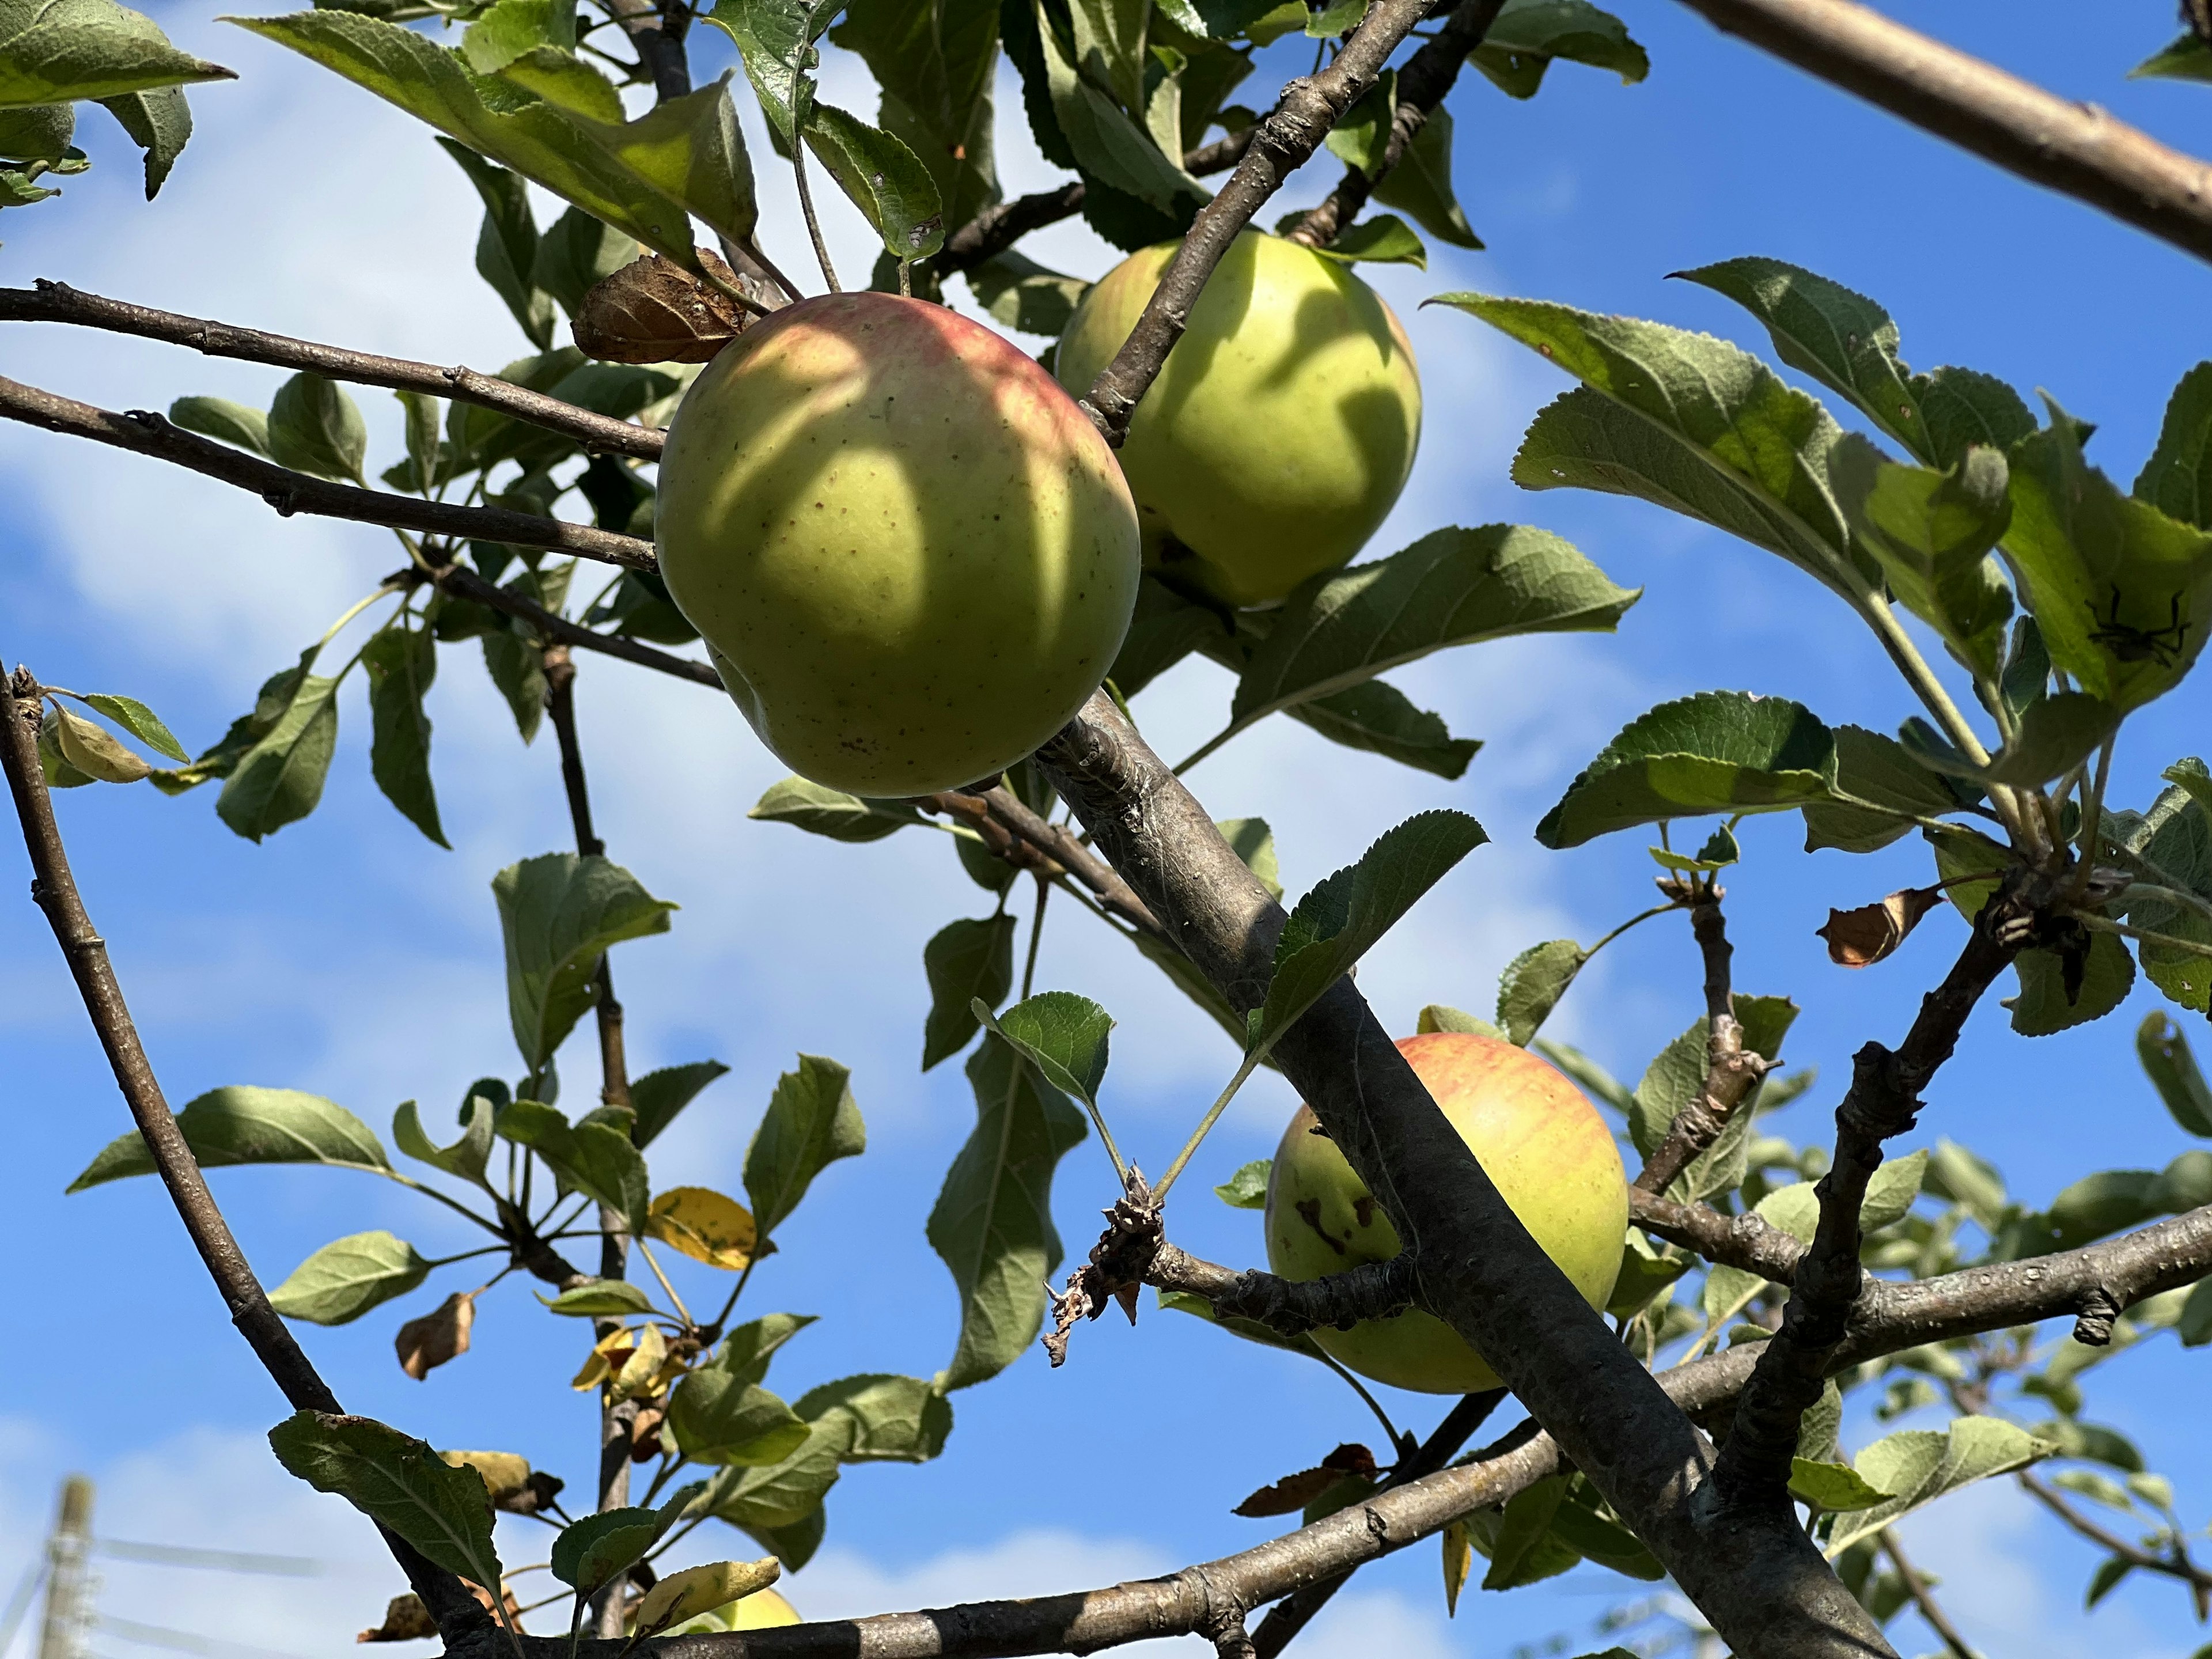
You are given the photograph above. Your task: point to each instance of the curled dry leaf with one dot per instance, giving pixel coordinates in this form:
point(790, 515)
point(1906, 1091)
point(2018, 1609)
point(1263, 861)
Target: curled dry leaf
point(406, 1619)
point(1861, 937)
point(1294, 1492)
point(441, 1334)
point(515, 1486)
point(645, 1434)
point(653, 310)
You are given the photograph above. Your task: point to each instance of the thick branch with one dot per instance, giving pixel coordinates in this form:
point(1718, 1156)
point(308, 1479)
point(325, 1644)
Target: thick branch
point(53, 889)
point(1374, 1289)
point(58, 302)
point(2077, 148)
point(1731, 1069)
point(1279, 146)
point(1762, 1582)
point(656, 31)
point(1882, 1102)
point(1429, 75)
point(1743, 1241)
point(144, 432)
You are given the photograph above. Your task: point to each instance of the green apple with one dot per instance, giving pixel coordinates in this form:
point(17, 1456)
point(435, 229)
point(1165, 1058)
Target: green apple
point(1280, 429)
point(1536, 1136)
point(911, 555)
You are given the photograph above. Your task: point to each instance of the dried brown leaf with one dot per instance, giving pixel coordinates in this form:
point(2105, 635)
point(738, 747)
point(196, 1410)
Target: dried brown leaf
point(653, 310)
point(1861, 937)
point(438, 1336)
point(1294, 1492)
point(645, 1434)
point(406, 1619)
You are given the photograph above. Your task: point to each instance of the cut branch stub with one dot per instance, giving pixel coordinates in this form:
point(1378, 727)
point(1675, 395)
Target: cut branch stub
point(653, 310)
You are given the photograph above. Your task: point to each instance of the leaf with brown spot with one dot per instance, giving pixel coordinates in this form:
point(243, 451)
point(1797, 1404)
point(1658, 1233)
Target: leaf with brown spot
point(1861, 937)
point(653, 310)
point(1294, 1492)
point(438, 1336)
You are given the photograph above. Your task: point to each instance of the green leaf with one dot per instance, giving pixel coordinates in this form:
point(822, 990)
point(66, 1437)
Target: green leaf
point(160, 122)
point(831, 812)
point(278, 779)
point(1718, 751)
point(775, 45)
point(1920, 1465)
point(2056, 734)
point(465, 1157)
point(1026, 296)
point(719, 1418)
point(811, 1121)
point(1880, 790)
point(1833, 1487)
point(1252, 841)
point(1526, 35)
point(507, 30)
point(658, 1097)
point(2172, 844)
point(2174, 1072)
point(507, 247)
point(2176, 480)
point(777, 1495)
point(2186, 59)
point(38, 132)
point(2122, 593)
point(1065, 1035)
point(884, 179)
point(241, 1124)
point(1438, 1017)
point(879, 1418)
point(575, 254)
point(1247, 1189)
point(348, 1276)
point(746, 1351)
point(1106, 143)
point(1382, 239)
point(494, 118)
point(400, 1483)
point(1676, 1074)
point(1421, 184)
point(1850, 345)
point(591, 1552)
point(992, 1224)
point(2042, 1006)
point(593, 1158)
point(597, 1298)
point(1362, 134)
point(315, 427)
point(690, 149)
point(518, 669)
point(401, 663)
point(1452, 587)
point(558, 914)
point(1376, 718)
point(1932, 533)
point(224, 420)
point(934, 60)
point(1689, 421)
point(54, 53)
point(89, 750)
point(1343, 917)
point(1525, 1549)
point(1532, 985)
point(967, 963)
point(1890, 1191)
point(133, 717)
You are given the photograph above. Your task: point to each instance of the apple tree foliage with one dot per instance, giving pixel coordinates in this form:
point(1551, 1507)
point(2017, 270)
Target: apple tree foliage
point(2065, 601)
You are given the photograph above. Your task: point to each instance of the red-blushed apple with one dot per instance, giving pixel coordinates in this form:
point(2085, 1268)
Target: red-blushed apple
point(911, 556)
point(1536, 1136)
point(1281, 428)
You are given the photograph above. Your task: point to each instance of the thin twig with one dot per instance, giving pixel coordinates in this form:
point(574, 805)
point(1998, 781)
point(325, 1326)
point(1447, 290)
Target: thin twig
point(1924, 1598)
point(144, 432)
point(2177, 1565)
point(463, 583)
point(54, 890)
point(1732, 1071)
point(2077, 148)
point(58, 302)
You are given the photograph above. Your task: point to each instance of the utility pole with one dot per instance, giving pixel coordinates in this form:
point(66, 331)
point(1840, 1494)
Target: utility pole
point(69, 1586)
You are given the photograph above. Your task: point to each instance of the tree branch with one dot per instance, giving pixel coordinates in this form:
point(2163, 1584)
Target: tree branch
point(460, 580)
point(1745, 1241)
point(1760, 1581)
point(58, 302)
point(54, 890)
point(144, 432)
point(1374, 1289)
point(1732, 1072)
point(2077, 148)
point(1428, 76)
point(2174, 1567)
point(1279, 145)
point(1883, 1101)
point(1923, 1599)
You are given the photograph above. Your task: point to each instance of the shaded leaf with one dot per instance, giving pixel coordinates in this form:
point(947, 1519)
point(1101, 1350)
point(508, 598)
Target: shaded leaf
point(1421, 184)
point(811, 1121)
point(1065, 1035)
point(2164, 1052)
point(594, 1551)
point(1380, 238)
point(52, 54)
point(1377, 718)
point(559, 913)
point(1526, 35)
point(718, 1416)
point(1294, 1492)
point(2056, 997)
point(1931, 533)
point(88, 749)
point(397, 1481)
point(401, 665)
point(224, 420)
point(879, 1418)
point(1532, 985)
point(1029, 297)
point(884, 179)
point(592, 1157)
point(1833, 1487)
point(658, 1096)
point(467, 1156)
point(598, 1298)
point(1437, 1017)
point(278, 778)
point(966, 962)
point(315, 427)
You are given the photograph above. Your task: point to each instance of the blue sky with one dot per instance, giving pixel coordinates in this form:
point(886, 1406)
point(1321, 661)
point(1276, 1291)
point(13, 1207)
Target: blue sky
point(349, 955)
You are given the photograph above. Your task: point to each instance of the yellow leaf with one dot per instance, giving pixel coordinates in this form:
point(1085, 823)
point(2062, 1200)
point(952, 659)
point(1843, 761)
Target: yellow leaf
point(505, 1473)
point(1459, 1556)
point(704, 1225)
point(640, 1372)
point(696, 1590)
point(763, 1610)
point(92, 751)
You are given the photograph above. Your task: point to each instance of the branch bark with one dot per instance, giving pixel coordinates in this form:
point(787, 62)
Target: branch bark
point(58, 302)
point(1883, 1101)
point(144, 432)
point(2075, 148)
point(1731, 1071)
point(1429, 74)
point(1374, 1289)
point(1762, 1582)
point(1279, 145)
point(54, 890)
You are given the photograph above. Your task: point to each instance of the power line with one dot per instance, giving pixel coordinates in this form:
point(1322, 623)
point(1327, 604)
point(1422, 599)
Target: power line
point(154, 1636)
point(177, 1555)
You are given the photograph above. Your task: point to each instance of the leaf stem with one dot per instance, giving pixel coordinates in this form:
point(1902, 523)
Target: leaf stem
point(1397, 1446)
point(1655, 910)
point(452, 1204)
point(807, 208)
point(683, 1312)
point(1037, 935)
point(1206, 748)
point(2168, 941)
point(1251, 1064)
